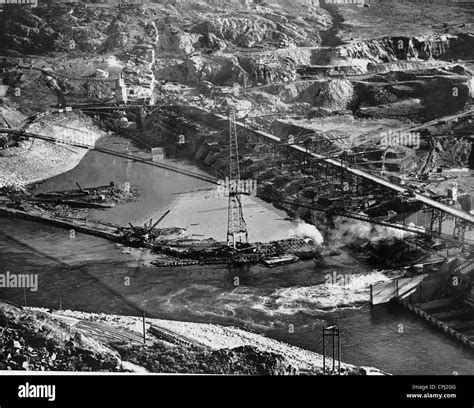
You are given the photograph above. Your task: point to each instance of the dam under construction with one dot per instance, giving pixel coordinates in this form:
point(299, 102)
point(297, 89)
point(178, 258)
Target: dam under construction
point(179, 184)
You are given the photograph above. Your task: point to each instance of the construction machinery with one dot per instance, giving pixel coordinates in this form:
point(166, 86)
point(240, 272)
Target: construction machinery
point(237, 235)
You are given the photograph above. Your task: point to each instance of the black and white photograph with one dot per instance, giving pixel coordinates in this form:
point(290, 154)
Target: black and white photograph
point(237, 188)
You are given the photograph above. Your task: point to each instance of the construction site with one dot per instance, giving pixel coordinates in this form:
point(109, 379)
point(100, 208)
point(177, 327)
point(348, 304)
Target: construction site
point(360, 138)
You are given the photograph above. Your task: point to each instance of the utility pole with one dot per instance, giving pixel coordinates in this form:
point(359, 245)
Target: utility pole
point(334, 333)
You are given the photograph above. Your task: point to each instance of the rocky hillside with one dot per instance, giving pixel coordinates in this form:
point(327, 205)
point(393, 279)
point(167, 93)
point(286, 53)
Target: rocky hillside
point(389, 19)
point(193, 43)
point(165, 358)
point(76, 31)
point(35, 341)
point(295, 60)
point(180, 29)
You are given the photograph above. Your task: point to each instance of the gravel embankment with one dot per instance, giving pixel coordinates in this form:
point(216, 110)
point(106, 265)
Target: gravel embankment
point(220, 337)
point(37, 160)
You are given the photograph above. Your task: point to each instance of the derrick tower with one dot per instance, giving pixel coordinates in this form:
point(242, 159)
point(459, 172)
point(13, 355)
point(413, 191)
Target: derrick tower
point(236, 227)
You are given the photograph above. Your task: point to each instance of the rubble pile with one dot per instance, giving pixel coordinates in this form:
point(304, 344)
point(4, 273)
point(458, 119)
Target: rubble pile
point(75, 203)
point(244, 360)
point(138, 74)
point(11, 184)
point(335, 94)
point(16, 354)
point(34, 342)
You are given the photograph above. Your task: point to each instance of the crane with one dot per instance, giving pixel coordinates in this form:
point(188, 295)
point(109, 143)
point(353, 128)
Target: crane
point(236, 226)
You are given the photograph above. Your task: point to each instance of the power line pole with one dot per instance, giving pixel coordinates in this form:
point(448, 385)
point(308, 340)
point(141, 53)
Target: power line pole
point(333, 333)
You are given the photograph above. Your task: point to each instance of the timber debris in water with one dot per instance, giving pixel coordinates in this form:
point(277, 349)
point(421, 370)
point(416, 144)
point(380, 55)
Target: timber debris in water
point(173, 249)
point(210, 252)
point(74, 202)
point(93, 197)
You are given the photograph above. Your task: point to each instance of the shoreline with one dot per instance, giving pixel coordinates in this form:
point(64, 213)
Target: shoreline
point(39, 160)
point(215, 337)
point(212, 336)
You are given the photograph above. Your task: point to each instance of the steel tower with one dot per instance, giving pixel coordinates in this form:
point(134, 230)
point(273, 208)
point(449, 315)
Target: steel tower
point(236, 227)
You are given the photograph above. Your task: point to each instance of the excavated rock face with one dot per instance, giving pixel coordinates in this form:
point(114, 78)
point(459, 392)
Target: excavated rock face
point(269, 28)
point(211, 43)
point(386, 19)
point(229, 73)
point(447, 95)
point(170, 69)
point(138, 74)
point(436, 47)
point(243, 32)
point(74, 30)
point(453, 146)
point(33, 87)
point(194, 67)
point(173, 40)
point(269, 68)
point(462, 47)
point(23, 31)
point(451, 152)
point(152, 32)
point(336, 94)
point(391, 49)
point(372, 50)
point(217, 70)
point(428, 93)
point(326, 95)
point(178, 32)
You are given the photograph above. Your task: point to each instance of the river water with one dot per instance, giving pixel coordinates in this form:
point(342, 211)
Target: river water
point(290, 303)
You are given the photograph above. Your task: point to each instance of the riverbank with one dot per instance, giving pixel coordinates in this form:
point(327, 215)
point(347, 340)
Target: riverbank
point(36, 160)
point(88, 274)
point(215, 338)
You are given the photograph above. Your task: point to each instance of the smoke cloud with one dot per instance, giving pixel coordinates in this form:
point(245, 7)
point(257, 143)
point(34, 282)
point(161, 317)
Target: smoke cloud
point(348, 231)
point(304, 230)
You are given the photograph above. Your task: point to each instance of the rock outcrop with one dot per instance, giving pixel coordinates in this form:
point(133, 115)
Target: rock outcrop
point(34, 341)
